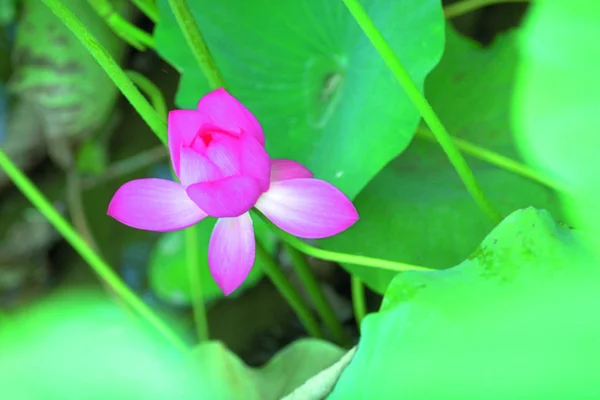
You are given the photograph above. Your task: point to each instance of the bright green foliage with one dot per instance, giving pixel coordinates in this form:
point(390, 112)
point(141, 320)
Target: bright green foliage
point(557, 104)
point(518, 319)
point(81, 345)
point(223, 376)
point(417, 210)
point(57, 76)
point(321, 92)
point(169, 277)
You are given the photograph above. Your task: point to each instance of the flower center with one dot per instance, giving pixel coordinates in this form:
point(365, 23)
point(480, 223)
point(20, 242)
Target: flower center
point(206, 138)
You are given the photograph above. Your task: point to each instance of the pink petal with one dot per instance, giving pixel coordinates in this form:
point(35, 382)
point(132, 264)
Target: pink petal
point(154, 205)
point(227, 197)
point(231, 252)
point(228, 113)
point(287, 169)
point(196, 167)
point(255, 161)
point(308, 208)
point(183, 126)
point(224, 152)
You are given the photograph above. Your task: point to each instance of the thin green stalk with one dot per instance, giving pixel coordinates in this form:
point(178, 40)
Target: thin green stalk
point(152, 91)
point(338, 257)
point(358, 300)
point(193, 263)
point(148, 8)
point(142, 159)
point(112, 68)
point(465, 6)
point(193, 36)
point(151, 116)
point(104, 271)
point(288, 291)
point(195, 41)
point(120, 26)
point(193, 258)
point(421, 103)
point(496, 159)
point(317, 296)
point(130, 33)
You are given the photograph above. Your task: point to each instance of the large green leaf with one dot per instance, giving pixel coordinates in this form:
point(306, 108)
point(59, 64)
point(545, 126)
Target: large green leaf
point(168, 274)
point(556, 113)
point(82, 345)
point(223, 376)
point(322, 93)
point(417, 209)
point(517, 320)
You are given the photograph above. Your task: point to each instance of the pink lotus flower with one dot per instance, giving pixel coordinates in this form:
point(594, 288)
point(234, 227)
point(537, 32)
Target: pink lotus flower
point(224, 170)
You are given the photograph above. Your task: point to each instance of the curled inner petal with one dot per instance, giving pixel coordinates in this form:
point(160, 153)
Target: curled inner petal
point(224, 152)
point(227, 197)
point(182, 129)
point(196, 167)
point(255, 161)
point(229, 114)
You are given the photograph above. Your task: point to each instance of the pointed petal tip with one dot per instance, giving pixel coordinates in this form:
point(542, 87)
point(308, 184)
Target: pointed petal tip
point(231, 252)
point(154, 205)
point(218, 94)
point(227, 289)
point(308, 208)
point(221, 90)
point(228, 113)
point(111, 210)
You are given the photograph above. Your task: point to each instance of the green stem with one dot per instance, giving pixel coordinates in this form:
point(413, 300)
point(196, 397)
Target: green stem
point(465, 6)
point(193, 258)
point(496, 159)
point(104, 271)
point(288, 291)
point(421, 103)
point(77, 210)
point(338, 257)
point(142, 159)
point(358, 300)
point(148, 8)
point(313, 288)
point(120, 26)
point(195, 41)
point(155, 118)
point(193, 264)
point(194, 38)
point(152, 91)
point(130, 33)
point(112, 68)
